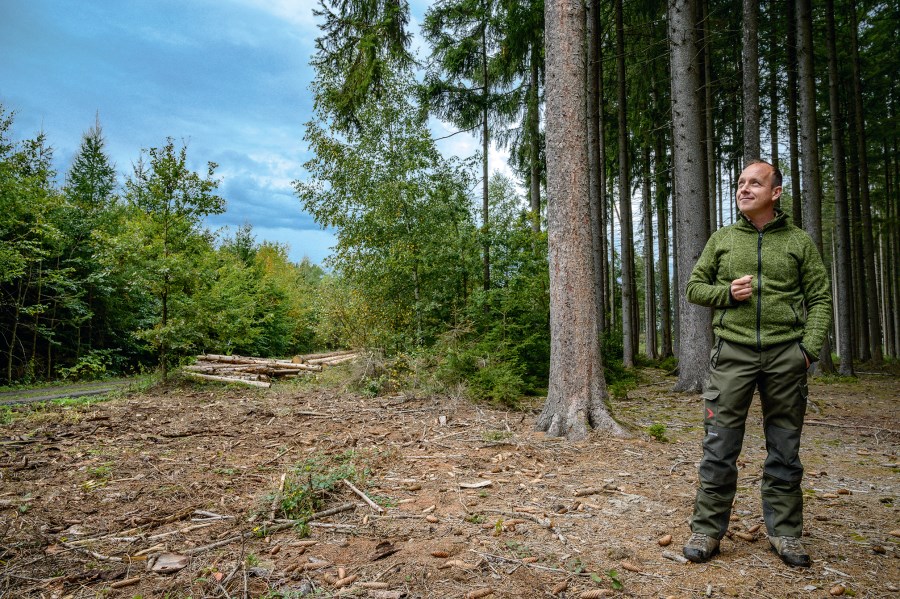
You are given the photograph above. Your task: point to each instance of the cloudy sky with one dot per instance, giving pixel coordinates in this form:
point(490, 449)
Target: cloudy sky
point(230, 78)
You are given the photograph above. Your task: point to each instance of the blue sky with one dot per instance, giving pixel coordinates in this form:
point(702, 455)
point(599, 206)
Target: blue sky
point(230, 78)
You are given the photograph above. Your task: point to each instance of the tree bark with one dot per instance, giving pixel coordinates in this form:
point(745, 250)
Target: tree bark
point(866, 204)
point(676, 277)
point(577, 392)
point(626, 234)
point(485, 207)
point(793, 134)
point(773, 86)
point(812, 182)
point(860, 306)
point(603, 196)
point(649, 263)
point(893, 233)
point(750, 63)
point(535, 145)
point(595, 158)
point(662, 220)
point(695, 337)
point(709, 139)
point(844, 302)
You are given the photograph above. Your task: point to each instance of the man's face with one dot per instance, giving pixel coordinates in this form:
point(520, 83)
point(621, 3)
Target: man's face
point(756, 196)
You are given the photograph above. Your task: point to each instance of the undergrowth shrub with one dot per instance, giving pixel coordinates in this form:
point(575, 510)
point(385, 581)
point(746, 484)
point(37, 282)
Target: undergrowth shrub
point(96, 364)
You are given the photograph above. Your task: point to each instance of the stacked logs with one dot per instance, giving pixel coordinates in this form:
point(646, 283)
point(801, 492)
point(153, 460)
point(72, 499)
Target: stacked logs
point(259, 372)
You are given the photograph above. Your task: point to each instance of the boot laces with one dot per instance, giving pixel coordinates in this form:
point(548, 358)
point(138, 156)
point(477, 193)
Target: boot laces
point(791, 545)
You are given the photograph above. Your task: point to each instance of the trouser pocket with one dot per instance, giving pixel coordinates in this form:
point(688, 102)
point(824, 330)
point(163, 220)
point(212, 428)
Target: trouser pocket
point(710, 407)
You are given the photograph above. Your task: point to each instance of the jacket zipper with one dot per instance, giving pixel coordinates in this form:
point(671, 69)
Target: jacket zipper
point(759, 292)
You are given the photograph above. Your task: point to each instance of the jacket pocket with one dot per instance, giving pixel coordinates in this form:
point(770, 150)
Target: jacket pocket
point(799, 315)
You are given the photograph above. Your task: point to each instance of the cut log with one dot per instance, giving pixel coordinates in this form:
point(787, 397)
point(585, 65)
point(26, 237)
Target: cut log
point(228, 379)
point(340, 360)
point(334, 354)
point(332, 359)
point(227, 359)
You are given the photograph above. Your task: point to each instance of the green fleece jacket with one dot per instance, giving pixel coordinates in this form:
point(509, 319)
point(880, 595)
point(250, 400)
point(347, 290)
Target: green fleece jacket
point(791, 298)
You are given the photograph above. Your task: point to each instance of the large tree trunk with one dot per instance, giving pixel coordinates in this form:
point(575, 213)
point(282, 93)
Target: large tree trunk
point(649, 264)
point(577, 392)
point(603, 197)
point(895, 233)
point(860, 306)
point(893, 207)
point(662, 218)
point(842, 217)
point(611, 219)
point(676, 277)
point(709, 138)
point(812, 181)
point(695, 336)
point(534, 148)
point(485, 207)
point(595, 159)
point(629, 343)
point(796, 204)
point(750, 64)
point(773, 85)
point(866, 207)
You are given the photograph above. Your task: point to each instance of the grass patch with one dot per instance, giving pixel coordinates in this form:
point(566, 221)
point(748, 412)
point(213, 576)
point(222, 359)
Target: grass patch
point(658, 432)
point(496, 436)
point(835, 379)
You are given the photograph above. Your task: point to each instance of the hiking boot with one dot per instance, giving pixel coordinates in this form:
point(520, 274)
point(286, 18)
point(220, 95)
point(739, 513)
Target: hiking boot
point(700, 548)
point(790, 550)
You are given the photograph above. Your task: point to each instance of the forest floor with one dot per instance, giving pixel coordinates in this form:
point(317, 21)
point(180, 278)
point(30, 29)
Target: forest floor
point(101, 499)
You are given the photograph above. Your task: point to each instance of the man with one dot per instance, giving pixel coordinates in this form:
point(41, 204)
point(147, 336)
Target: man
point(771, 294)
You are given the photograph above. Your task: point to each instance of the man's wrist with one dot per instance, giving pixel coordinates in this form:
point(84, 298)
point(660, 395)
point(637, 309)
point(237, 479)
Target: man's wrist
point(808, 355)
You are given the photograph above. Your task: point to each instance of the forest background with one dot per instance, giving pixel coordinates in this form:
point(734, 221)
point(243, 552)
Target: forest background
point(440, 266)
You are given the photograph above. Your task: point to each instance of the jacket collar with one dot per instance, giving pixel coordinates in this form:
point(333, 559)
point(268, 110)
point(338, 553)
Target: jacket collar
point(781, 220)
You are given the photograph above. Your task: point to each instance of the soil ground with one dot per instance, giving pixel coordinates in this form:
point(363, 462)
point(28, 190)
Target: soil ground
point(96, 496)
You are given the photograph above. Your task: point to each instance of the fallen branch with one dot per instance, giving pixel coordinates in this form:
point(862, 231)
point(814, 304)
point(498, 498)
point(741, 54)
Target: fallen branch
point(284, 523)
point(835, 425)
point(216, 545)
point(365, 497)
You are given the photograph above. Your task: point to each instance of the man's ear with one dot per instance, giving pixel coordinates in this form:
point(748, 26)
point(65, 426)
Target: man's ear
point(776, 193)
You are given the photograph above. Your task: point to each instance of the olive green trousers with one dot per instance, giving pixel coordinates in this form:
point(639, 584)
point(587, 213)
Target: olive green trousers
point(779, 372)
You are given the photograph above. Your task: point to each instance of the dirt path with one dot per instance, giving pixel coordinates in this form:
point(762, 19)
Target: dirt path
point(474, 499)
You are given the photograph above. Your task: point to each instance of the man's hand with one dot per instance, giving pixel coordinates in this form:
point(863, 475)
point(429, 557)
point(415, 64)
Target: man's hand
point(742, 289)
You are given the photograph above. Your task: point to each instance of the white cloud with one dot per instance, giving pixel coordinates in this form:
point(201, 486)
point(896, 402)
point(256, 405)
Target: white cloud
point(293, 11)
